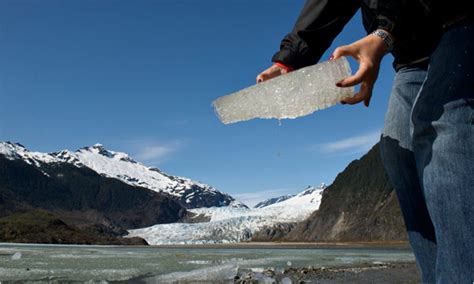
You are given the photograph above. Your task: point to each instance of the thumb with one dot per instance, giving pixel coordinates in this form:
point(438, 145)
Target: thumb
point(345, 50)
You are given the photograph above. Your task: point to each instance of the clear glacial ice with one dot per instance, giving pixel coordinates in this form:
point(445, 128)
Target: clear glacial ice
point(295, 94)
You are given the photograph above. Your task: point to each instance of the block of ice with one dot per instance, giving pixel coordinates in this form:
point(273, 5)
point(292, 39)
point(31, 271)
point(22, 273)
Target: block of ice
point(16, 256)
point(295, 94)
point(210, 274)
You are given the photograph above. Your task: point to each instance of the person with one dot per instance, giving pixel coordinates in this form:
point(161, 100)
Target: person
point(427, 143)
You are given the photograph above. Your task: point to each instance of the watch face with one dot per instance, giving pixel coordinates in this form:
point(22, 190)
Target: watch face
point(387, 39)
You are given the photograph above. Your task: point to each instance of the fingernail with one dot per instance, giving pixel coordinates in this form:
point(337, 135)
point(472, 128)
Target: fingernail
point(331, 57)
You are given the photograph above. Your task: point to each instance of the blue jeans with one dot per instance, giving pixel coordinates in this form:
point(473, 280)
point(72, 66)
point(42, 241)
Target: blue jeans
point(427, 149)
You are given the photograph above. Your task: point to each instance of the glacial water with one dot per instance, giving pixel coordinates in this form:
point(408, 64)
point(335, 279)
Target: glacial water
point(20, 262)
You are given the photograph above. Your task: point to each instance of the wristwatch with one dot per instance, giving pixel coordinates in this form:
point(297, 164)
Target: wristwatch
point(386, 37)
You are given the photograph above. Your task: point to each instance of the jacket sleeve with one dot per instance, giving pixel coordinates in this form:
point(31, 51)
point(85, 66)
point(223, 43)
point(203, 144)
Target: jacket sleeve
point(318, 24)
point(389, 14)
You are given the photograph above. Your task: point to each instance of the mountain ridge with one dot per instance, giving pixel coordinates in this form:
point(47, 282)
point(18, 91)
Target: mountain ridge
point(119, 165)
point(360, 205)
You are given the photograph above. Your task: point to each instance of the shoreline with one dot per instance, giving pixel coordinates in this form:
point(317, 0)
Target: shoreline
point(250, 245)
point(375, 272)
point(290, 245)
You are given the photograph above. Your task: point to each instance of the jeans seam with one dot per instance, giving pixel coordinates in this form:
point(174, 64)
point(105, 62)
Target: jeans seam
point(415, 102)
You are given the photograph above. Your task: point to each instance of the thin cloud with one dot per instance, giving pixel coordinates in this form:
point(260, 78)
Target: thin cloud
point(155, 152)
point(251, 199)
point(350, 145)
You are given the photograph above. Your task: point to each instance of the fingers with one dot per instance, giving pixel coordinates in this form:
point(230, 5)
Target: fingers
point(272, 72)
point(346, 50)
point(357, 78)
point(260, 78)
point(364, 94)
point(367, 100)
point(264, 76)
point(362, 72)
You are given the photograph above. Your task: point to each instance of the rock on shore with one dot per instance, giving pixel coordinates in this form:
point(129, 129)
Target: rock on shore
point(399, 272)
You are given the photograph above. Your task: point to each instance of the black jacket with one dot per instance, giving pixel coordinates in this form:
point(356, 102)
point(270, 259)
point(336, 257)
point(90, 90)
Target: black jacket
point(416, 30)
point(449, 12)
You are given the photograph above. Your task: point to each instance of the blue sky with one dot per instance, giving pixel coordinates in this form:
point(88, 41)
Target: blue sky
point(140, 76)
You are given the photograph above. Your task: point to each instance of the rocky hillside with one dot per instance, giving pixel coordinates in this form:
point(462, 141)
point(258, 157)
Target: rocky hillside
point(360, 205)
point(80, 195)
point(40, 226)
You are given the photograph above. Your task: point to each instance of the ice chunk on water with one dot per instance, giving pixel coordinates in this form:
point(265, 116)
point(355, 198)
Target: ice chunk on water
point(16, 256)
point(295, 94)
point(214, 273)
point(260, 278)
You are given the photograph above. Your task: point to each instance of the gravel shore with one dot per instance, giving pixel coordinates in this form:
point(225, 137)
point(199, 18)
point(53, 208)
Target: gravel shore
point(399, 272)
point(386, 273)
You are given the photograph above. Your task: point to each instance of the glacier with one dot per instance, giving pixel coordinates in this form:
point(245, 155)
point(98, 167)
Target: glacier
point(230, 224)
point(295, 94)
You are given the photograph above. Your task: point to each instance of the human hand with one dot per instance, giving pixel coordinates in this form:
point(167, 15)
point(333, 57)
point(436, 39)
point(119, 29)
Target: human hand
point(272, 72)
point(369, 52)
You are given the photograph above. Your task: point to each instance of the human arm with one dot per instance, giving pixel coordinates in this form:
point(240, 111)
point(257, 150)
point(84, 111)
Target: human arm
point(318, 24)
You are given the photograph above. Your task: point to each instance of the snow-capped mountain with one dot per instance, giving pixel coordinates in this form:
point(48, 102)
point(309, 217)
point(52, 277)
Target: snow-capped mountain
point(229, 224)
point(305, 196)
point(190, 194)
point(273, 200)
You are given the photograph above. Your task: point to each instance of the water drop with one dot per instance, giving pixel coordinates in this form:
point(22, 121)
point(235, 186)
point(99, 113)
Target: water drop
point(459, 65)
